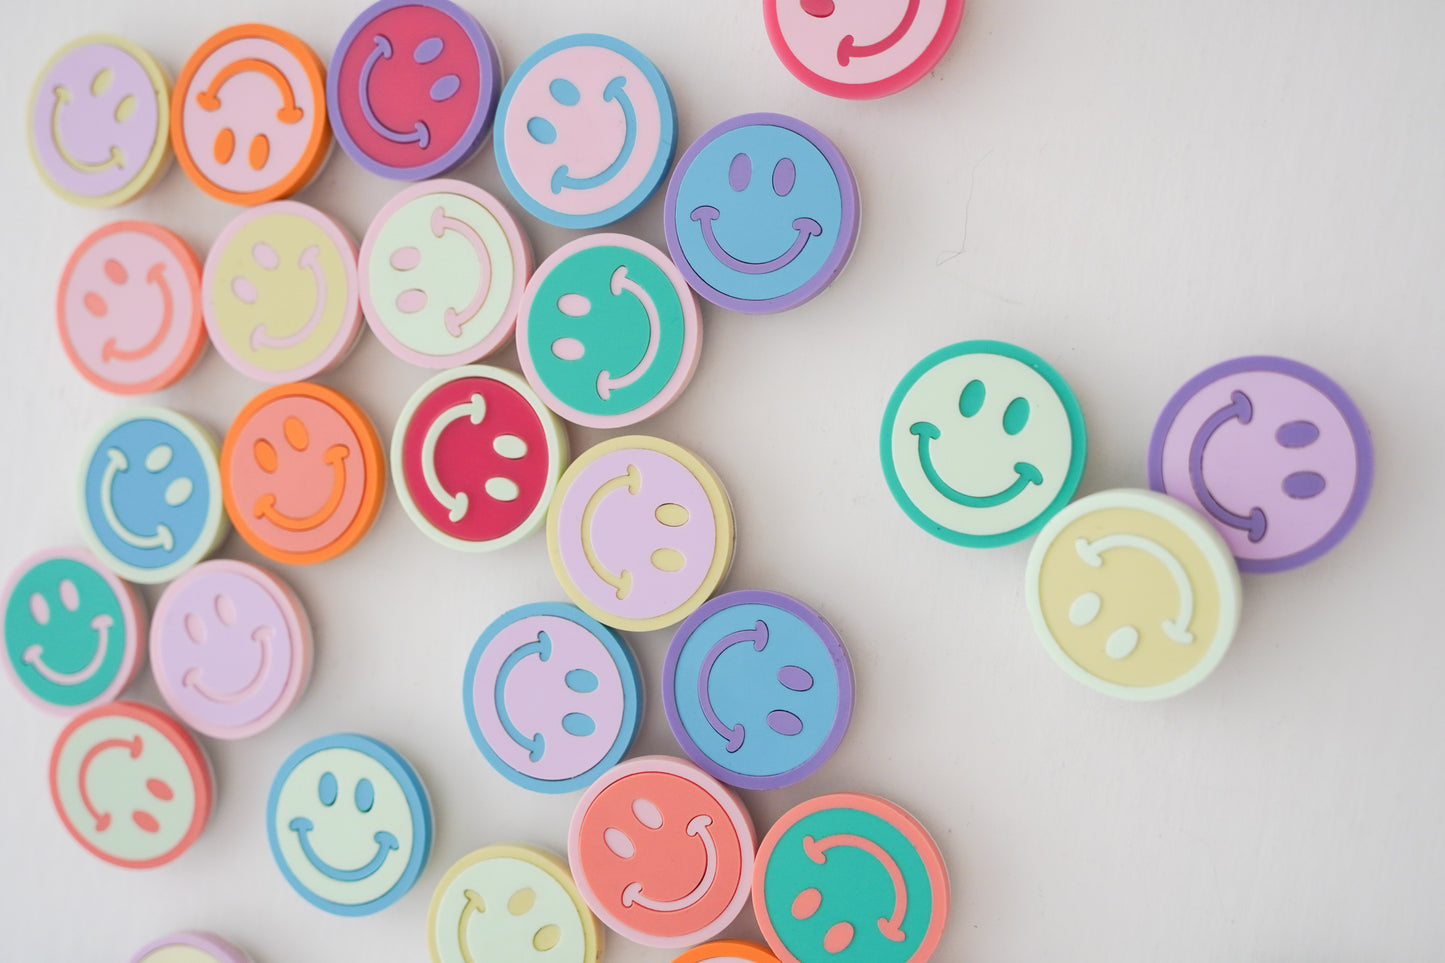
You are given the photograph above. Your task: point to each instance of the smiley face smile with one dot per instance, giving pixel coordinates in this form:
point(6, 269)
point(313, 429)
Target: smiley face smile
point(385, 843)
point(266, 508)
point(34, 656)
point(1026, 472)
point(806, 229)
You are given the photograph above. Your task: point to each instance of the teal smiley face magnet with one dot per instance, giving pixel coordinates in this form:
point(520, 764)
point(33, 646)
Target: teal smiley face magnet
point(982, 443)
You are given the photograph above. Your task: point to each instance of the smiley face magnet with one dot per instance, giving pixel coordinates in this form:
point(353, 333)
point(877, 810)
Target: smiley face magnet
point(727, 951)
point(190, 947)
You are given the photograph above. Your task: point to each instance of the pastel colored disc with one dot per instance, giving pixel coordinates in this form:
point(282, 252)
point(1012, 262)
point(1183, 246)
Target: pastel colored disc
point(1133, 594)
point(413, 88)
point(662, 852)
point(99, 129)
point(231, 648)
point(279, 293)
point(350, 824)
point(303, 473)
point(510, 902)
point(248, 115)
point(73, 631)
point(850, 878)
point(1272, 452)
point(727, 951)
point(640, 532)
point(982, 443)
point(190, 947)
point(762, 213)
point(608, 331)
point(552, 697)
point(150, 494)
point(758, 689)
point(586, 130)
point(129, 308)
point(130, 784)
point(475, 457)
point(861, 48)
point(442, 271)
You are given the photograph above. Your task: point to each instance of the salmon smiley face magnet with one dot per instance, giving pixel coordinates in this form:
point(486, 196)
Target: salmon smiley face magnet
point(302, 473)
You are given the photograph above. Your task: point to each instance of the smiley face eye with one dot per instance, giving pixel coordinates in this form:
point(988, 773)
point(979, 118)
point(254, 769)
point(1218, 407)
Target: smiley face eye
point(817, 8)
point(785, 174)
point(647, 813)
point(547, 937)
point(195, 628)
point(265, 455)
point(365, 796)
point(39, 609)
point(795, 677)
point(428, 50)
point(1016, 416)
point(565, 92)
point(542, 130)
point(178, 491)
point(115, 271)
point(578, 724)
point(95, 304)
point(100, 83)
point(69, 595)
point(445, 88)
point(971, 399)
point(225, 610)
point(740, 172)
point(259, 153)
point(145, 821)
point(295, 431)
point(1297, 434)
point(619, 843)
point(1304, 484)
point(784, 723)
point(265, 256)
point(125, 108)
point(521, 902)
point(326, 789)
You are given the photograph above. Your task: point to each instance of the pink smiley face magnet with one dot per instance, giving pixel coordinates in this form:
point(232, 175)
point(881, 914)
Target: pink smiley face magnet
point(231, 648)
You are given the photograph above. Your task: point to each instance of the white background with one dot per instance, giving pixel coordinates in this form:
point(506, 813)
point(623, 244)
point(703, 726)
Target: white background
point(1134, 190)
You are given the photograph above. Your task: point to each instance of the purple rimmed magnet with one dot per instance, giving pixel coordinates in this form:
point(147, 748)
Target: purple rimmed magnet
point(173, 947)
point(1272, 452)
point(758, 689)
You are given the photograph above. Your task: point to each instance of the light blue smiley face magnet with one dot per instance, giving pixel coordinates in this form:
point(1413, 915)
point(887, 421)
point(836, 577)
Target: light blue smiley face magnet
point(350, 824)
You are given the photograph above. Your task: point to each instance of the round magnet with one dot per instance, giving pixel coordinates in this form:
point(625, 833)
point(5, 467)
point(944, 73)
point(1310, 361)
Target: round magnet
point(860, 49)
point(190, 947)
point(1133, 594)
point(851, 878)
point(303, 474)
point(475, 457)
point(99, 128)
point(608, 331)
point(640, 532)
point(73, 631)
point(510, 902)
point(758, 689)
point(130, 784)
point(982, 443)
point(350, 824)
point(662, 852)
point(231, 648)
point(586, 131)
point(1273, 452)
point(150, 494)
point(442, 271)
point(248, 115)
point(279, 293)
point(762, 213)
point(413, 88)
point(552, 697)
point(727, 951)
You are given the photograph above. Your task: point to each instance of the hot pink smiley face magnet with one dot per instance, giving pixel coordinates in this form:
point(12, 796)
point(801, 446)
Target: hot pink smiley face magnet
point(231, 648)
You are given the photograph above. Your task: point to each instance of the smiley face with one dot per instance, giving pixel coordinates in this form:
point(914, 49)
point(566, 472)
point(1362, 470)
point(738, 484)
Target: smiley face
point(99, 121)
point(1133, 594)
point(861, 48)
point(130, 784)
point(727, 951)
point(516, 903)
point(413, 88)
point(1273, 452)
point(350, 824)
point(608, 332)
point(758, 689)
point(189, 947)
point(587, 130)
point(982, 442)
point(851, 878)
point(762, 213)
point(662, 852)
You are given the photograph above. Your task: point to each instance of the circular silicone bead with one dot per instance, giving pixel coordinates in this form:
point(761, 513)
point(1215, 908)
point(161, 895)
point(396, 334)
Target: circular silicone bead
point(640, 532)
point(190, 947)
point(758, 689)
point(662, 852)
point(762, 213)
point(413, 88)
point(130, 784)
point(1133, 594)
point(847, 877)
point(860, 49)
point(982, 443)
point(727, 951)
point(150, 494)
point(552, 697)
point(73, 631)
point(608, 332)
point(231, 648)
point(586, 131)
point(303, 473)
point(510, 902)
point(248, 115)
point(350, 824)
point(1273, 452)
point(279, 293)
point(443, 267)
point(475, 457)
point(99, 124)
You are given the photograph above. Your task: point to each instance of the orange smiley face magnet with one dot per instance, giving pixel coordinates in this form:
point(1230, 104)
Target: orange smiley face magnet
point(302, 473)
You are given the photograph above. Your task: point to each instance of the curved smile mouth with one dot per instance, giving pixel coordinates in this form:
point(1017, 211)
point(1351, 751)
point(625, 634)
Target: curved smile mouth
point(385, 843)
point(632, 894)
point(266, 505)
point(562, 177)
point(1026, 473)
point(111, 352)
point(192, 676)
point(849, 48)
point(261, 337)
point(34, 656)
point(806, 229)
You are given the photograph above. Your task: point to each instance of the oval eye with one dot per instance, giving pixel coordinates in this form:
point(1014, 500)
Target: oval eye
point(647, 813)
point(146, 821)
point(326, 789)
point(405, 258)
point(521, 902)
point(295, 431)
point(158, 458)
point(195, 627)
point(542, 130)
point(784, 176)
point(574, 305)
point(224, 146)
point(125, 109)
point(69, 595)
point(839, 937)
point(1297, 434)
point(972, 398)
point(178, 491)
point(564, 92)
point(428, 50)
point(784, 723)
point(265, 255)
point(1085, 608)
point(581, 680)
point(100, 83)
point(806, 903)
point(95, 304)
point(740, 172)
point(243, 289)
point(668, 560)
point(160, 790)
point(365, 796)
point(39, 609)
point(671, 514)
point(568, 349)
point(115, 271)
point(795, 677)
point(578, 724)
point(411, 301)
point(225, 610)
point(1016, 415)
point(445, 88)
point(509, 446)
point(1122, 642)
point(265, 454)
point(502, 489)
point(619, 843)
point(1304, 484)
point(547, 937)
point(260, 152)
